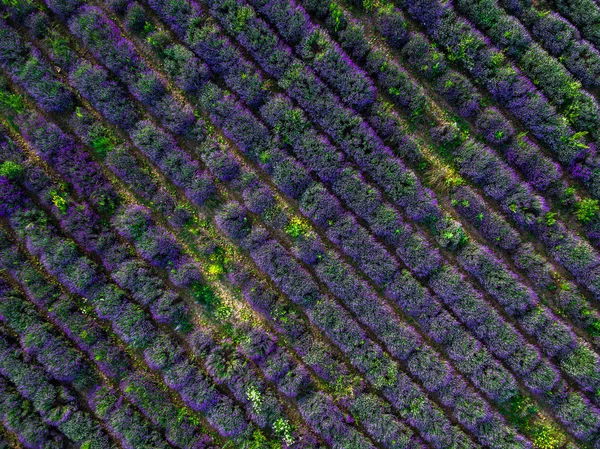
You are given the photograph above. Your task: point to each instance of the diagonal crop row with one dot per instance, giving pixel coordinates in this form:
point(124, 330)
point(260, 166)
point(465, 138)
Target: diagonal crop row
point(424, 60)
point(137, 327)
point(585, 14)
point(506, 205)
point(550, 75)
point(121, 417)
point(35, 383)
point(24, 424)
point(131, 220)
point(162, 312)
point(288, 131)
point(44, 346)
point(160, 309)
point(89, 336)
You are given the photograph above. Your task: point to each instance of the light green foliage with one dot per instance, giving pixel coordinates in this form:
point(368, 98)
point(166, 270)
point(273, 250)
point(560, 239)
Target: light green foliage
point(255, 397)
point(296, 227)
point(242, 15)
point(218, 262)
point(11, 170)
point(336, 14)
point(547, 436)
point(203, 294)
point(59, 45)
point(395, 91)
point(466, 48)
point(11, 101)
point(550, 218)
point(576, 140)
point(223, 312)
point(594, 328)
point(159, 40)
point(260, 441)
point(283, 429)
point(101, 145)
point(15, 3)
point(148, 28)
point(59, 201)
point(586, 210)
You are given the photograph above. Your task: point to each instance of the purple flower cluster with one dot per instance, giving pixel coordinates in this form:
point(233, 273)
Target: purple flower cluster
point(27, 67)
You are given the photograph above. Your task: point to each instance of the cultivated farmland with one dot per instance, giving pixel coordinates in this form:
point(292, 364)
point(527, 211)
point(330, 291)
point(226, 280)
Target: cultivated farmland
point(300, 224)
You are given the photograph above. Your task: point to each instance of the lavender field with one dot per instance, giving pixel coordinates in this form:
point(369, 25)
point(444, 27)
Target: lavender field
point(300, 224)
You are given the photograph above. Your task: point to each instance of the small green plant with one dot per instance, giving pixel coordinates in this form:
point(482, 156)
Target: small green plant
point(343, 387)
point(594, 328)
point(215, 269)
point(59, 44)
point(283, 429)
point(498, 59)
point(336, 15)
point(395, 91)
point(255, 397)
point(59, 201)
point(102, 145)
point(203, 294)
point(242, 16)
point(547, 436)
point(148, 28)
point(576, 140)
point(569, 196)
point(11, 170)
point(466, 48)
point(521, 411)
point(223, 312)
point(11, 101)
point(296, 227)
point(259, 441)
point(586, 210)
point(218, 263)
point(550, 218)
point(264, 156)
point(159, 40)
